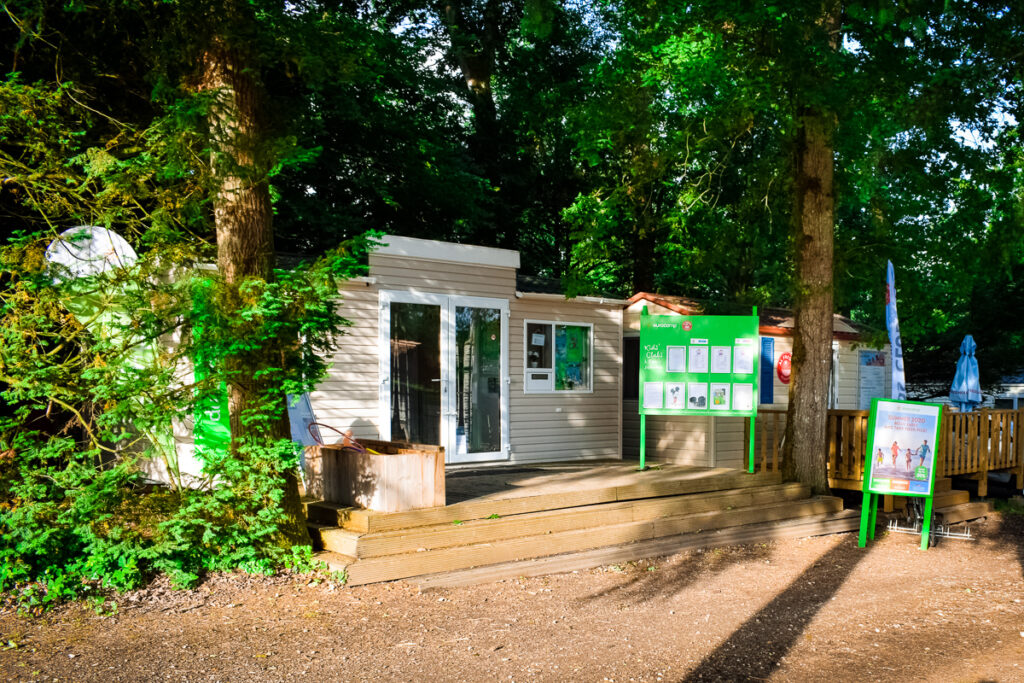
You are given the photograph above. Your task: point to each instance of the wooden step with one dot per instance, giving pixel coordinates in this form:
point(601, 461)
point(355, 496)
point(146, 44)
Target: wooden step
point(817, 525)
point(334, 561)
point(963, 512)
point(336, 540)
point(505, 505)
point(328, 514)
point(390, 567)
point(314, 530)
point(554, 521)
point(943, 484)
point(950, 498)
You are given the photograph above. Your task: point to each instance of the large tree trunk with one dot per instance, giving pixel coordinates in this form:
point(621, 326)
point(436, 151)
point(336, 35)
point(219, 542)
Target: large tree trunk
point(813, 224)
point(245, 245)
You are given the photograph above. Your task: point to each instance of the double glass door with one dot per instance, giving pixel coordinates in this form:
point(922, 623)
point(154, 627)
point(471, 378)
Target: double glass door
point(444, 373)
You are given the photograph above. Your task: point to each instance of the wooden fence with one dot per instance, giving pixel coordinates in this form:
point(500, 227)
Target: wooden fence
point(971, 444)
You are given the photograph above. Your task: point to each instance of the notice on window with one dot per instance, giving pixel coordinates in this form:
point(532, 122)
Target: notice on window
point(537, 339)
point(698, 359)
point(871, 368)
point(654, 395)
point(720, 395)
point(697, 396)
point(721, 359)
point(675, 395)
point(743, 360)
point(676, 359)
point(743, 397)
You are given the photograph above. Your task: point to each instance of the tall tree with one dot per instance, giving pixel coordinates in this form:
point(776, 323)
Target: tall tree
point(813, 228)
point(825, 116)
point(243, 221)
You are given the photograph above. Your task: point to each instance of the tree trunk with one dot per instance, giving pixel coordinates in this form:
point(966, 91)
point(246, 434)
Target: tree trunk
point(474, 45)
point(474, 50)
point(813, 223)
point(245, 246)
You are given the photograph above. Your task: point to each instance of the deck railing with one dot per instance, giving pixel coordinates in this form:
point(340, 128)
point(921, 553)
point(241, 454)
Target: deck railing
point(971, 444)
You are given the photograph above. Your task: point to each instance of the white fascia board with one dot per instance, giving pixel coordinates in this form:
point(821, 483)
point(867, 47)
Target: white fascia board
point(582, 299)
point(432, 250)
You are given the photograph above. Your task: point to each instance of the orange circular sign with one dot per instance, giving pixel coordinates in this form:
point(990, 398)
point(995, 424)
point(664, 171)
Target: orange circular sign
point(784, 368)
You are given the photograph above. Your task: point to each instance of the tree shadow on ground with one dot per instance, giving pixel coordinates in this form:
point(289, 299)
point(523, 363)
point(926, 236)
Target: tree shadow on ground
point(653, 580)
point(1009, 533)
point(754, 651)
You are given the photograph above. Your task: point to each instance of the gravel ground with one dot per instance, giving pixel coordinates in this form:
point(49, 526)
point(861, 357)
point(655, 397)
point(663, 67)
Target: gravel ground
point(798, 610)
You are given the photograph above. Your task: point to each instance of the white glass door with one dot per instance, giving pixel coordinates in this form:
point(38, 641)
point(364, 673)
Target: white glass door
point(444, 373)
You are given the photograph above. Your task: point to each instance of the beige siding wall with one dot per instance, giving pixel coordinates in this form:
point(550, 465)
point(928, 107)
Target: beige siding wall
point(554, 426)
point(348, 397)
point(563, 425)
point(402, 273)
point(682, 440)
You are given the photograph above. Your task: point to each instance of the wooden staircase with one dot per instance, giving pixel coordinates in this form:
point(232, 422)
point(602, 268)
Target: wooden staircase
point(375, 547)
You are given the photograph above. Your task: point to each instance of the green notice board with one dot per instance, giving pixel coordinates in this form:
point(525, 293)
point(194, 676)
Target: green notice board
point(699, 365)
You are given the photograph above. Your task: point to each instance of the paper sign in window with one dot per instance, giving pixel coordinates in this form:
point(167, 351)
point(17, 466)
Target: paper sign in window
point(654, 395)
point(676, 359)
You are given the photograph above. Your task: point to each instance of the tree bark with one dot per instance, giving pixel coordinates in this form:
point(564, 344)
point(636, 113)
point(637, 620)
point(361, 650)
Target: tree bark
point(805, 448)
point(243, 218)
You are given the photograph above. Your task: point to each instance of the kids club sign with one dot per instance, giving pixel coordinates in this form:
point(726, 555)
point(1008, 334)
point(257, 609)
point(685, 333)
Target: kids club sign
point(902, 440)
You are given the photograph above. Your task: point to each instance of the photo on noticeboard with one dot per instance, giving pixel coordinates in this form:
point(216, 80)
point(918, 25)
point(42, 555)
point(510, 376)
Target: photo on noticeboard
point(720, 395)
point(697, 396)
point(675, 395)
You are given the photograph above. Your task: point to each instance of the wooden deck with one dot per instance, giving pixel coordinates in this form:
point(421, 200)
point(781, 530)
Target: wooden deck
point(970, 446)
point(504, 515)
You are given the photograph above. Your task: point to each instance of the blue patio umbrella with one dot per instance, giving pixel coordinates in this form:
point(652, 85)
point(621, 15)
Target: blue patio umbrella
point(966, 390)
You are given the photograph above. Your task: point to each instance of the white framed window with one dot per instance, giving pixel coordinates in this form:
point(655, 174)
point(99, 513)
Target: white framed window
point(558, 357)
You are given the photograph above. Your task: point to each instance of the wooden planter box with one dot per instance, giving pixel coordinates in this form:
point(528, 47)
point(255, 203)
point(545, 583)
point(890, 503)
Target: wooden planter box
point(403, 477)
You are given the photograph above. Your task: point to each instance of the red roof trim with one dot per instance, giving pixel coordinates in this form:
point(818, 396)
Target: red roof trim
point(771, 330)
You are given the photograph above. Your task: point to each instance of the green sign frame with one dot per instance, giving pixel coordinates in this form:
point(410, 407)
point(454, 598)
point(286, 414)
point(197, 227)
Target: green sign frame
point(893, 428)
point(698, 365)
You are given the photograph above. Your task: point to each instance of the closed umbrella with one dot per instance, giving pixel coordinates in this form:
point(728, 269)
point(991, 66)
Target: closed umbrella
point(966, 390)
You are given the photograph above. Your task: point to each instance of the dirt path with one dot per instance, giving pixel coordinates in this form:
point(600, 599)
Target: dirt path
point(800, 610)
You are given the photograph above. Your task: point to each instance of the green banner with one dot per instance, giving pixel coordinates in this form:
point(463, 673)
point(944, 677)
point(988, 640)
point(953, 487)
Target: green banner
point(699, 365)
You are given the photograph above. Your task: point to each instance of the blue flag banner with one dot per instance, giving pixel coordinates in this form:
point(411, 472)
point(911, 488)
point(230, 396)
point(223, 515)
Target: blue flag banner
point(767, 383)
point(892, 323)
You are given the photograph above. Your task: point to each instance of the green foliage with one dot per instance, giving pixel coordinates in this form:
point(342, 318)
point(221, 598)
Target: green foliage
point(95, 372)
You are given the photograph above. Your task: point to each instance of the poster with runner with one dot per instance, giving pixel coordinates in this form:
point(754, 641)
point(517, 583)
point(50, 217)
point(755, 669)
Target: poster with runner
point(902, 437)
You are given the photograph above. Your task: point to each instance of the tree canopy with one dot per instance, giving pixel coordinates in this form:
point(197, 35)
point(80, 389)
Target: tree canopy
point(774, 153)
